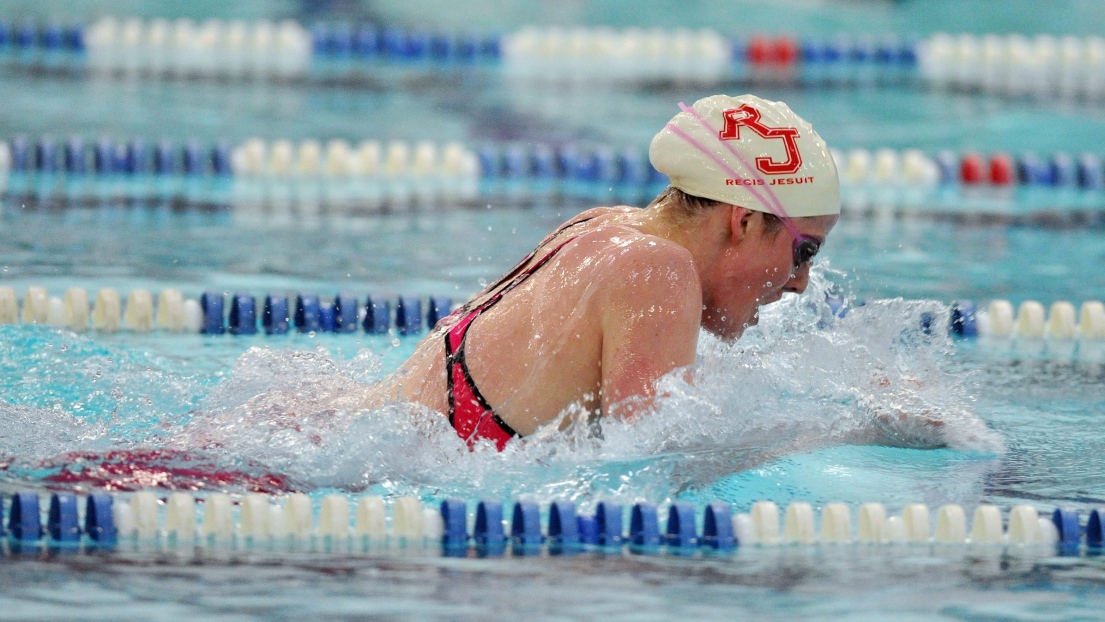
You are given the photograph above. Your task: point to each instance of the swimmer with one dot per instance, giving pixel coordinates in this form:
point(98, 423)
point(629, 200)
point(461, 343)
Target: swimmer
point(615, 298)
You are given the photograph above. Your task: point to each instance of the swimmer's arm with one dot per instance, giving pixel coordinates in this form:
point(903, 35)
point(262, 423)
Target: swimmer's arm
point(651, 316)
point(896, 428)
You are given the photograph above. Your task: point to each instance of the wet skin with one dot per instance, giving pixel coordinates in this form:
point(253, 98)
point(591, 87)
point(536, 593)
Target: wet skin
point(620, 306)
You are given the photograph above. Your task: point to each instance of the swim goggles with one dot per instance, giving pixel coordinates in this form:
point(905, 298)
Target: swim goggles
point(804, 247)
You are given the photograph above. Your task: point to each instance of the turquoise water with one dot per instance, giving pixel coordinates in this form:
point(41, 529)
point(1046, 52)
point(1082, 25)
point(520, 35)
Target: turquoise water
point(777, 401)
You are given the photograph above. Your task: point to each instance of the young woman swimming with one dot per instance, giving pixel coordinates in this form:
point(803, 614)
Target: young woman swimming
point(614, 299)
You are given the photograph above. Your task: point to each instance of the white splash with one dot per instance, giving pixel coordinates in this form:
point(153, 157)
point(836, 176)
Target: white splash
point(802, 379)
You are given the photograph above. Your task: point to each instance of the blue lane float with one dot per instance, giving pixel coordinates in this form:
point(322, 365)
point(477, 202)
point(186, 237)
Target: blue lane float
point(1095, 528)
point(307, 313)
point(24, 521)
point(49, 36)
point(563, 524)
point(525, 526)
point(243, 315)
point(377, 317)
point(20, 154)
point(644, 526)
point(72, 156)
point(327, 318)
point(681, 531)
point(76, 162)
point(717, 527)
point(345, 313)
point(63, 523)
point(1068, 525)
point(99, 523)
point(608, 516)
point(275, 318)
point(408, 315)
point(488, 531)
point(439, 307)
point(964, 320)
point(454, 515)
point(213, 321)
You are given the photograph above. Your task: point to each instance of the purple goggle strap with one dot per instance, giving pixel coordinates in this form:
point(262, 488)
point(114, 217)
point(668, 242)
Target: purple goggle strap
point(773, 205)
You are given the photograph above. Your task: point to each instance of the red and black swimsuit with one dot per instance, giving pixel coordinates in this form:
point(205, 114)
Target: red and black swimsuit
point(469, 412)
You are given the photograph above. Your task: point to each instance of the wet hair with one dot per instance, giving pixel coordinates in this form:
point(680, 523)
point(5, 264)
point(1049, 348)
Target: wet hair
point(690, 206)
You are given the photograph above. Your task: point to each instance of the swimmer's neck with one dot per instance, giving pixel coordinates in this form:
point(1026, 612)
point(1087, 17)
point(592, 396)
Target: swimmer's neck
point(704, 235)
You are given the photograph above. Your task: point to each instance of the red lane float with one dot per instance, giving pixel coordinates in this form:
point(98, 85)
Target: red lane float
point(971, 169)
point(784, 51)
point(766, 51)
point(1002, 171)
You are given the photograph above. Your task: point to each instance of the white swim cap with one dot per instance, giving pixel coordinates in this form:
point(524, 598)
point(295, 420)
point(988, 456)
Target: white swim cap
point(749, 152)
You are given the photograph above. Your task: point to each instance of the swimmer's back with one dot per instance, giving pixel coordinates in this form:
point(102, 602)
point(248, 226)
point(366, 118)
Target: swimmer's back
point(545, 344)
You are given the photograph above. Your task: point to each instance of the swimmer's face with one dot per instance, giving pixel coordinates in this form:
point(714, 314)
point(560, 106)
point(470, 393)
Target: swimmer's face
point(755, 268)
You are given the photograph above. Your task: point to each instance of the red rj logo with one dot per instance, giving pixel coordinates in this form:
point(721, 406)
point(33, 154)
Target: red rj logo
point(749, 117)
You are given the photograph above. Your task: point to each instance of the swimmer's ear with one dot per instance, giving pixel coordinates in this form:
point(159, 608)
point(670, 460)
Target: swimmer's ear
point(740, 222)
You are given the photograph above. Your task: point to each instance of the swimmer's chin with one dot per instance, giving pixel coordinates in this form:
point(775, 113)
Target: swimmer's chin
point(731, 334)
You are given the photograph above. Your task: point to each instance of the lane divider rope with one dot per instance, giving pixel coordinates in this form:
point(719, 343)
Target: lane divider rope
point(260, 174)
point(1011, 65)
point(259, 521)
point(1060, 326)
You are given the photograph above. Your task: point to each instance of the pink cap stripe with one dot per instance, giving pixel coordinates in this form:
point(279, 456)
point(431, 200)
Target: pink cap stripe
point(779, 212)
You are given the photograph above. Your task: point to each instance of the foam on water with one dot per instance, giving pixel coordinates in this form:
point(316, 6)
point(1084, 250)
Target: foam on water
point(802, 379)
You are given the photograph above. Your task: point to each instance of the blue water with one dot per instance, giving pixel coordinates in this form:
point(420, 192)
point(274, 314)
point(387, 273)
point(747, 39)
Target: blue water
point(62, 391)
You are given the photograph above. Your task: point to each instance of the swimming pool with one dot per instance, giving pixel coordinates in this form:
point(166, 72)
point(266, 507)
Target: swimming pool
point(64, 392)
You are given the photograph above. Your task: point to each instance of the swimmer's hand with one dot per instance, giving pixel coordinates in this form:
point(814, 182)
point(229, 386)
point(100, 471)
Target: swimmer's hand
point(898, 418)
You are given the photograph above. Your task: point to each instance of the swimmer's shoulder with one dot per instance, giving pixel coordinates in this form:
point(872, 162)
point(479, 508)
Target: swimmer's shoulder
point(643, 266)
point(626, 249)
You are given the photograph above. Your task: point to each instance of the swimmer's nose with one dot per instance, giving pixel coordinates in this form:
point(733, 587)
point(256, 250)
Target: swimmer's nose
point(799, 280)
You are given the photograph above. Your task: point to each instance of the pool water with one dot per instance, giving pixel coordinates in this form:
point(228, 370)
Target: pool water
point(783, 416)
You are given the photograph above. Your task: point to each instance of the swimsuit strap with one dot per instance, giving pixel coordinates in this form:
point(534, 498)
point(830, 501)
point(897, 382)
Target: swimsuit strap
point(457, 336)
point(518, 269)
point(520, 278)
point(470, 414)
